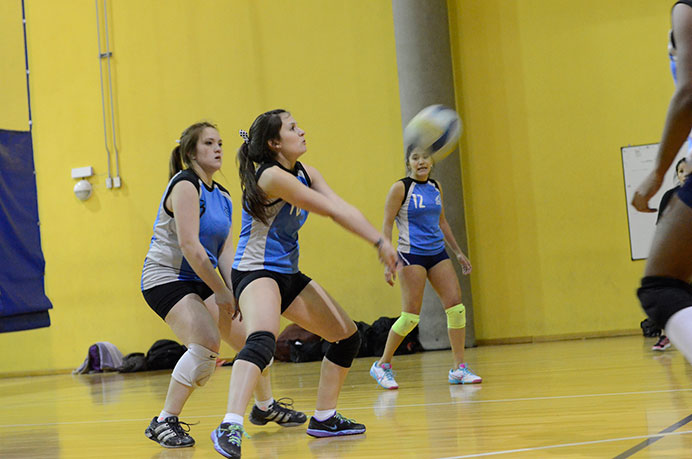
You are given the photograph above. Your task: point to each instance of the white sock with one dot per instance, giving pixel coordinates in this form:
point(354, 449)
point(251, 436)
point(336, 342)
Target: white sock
point(164, 414)
point(233, 418)
point(264, 404)
point(679, 331)
point(323, 415)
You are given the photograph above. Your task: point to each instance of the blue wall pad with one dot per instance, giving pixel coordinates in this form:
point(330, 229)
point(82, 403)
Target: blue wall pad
point(23, 302)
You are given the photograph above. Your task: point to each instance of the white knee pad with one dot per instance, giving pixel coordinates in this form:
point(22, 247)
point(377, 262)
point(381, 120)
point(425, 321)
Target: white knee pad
point(196, 366)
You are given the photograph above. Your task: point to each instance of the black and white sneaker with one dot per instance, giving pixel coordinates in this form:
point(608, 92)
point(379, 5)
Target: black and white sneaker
point(280, 411)
point(169, 433)
point(227, 439)
point(336, 425)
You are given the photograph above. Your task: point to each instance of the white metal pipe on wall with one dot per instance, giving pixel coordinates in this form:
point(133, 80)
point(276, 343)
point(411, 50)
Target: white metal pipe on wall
point(107, 55)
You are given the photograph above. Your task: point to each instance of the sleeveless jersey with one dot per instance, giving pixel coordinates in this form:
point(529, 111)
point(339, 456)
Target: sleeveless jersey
point(673, 68)
point(165, 262)
point(273, 246)
point(418, 219)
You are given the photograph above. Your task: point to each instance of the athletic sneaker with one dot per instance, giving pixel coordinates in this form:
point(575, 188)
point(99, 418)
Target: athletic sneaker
point(662, 344)
point(334, 426)
point(384, 375)
point(279, 411)
point(463, 375)
point(227, 438)
point(169, 433)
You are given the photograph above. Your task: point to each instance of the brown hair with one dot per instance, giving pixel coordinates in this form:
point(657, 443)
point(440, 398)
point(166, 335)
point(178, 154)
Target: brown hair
point(255, 150)
point(183, 154)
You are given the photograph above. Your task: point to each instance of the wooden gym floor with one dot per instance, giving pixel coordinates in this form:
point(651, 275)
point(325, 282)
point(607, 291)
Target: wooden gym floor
point(603, 398)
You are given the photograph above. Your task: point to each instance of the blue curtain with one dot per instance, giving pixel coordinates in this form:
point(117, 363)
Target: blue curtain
point(23, 302)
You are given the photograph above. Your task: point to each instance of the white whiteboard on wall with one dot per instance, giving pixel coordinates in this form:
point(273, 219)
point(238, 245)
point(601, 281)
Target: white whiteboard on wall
point(637, 162)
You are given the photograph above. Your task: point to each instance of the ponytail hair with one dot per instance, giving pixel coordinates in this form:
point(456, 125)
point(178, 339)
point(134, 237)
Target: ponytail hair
point(254, 152)
point(183, 154)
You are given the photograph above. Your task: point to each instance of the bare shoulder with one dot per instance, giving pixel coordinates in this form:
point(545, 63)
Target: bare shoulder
point(183, 189)
point(397, 189)
point(274, 181)
point(272, 174)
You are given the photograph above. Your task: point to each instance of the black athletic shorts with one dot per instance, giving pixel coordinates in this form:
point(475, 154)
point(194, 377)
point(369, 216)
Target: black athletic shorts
point(290, 285)
point(163, 297)
point(426, 261)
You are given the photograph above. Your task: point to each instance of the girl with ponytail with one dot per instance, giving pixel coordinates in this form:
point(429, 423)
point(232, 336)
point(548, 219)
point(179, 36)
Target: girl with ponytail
point(278, 193)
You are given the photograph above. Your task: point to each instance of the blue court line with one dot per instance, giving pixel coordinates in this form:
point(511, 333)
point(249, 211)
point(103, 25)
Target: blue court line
point(649, 441)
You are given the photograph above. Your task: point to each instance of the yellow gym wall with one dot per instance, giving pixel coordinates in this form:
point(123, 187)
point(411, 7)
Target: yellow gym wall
point(176, 62)
point(14, 115)
point(549, 92)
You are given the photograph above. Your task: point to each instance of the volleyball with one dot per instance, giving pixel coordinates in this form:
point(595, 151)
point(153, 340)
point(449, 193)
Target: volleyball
point(435, 129)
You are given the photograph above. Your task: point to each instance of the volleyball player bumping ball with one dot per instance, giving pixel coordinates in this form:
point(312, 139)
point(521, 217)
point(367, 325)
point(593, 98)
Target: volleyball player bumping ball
point(278, 193)
point(415, 203)
point(180, 282)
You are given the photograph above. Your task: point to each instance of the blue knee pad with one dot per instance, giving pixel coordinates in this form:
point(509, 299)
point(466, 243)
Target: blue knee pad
point(661, 297)
point(259, 349)
point(344, 351)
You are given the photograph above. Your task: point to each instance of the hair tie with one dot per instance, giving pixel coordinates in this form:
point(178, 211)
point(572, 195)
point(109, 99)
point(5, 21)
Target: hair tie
point(177, 141)
point(245, 136)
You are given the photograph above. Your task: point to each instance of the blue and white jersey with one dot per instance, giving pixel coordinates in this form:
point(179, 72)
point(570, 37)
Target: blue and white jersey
point(165, 262)
point(418, 219)
point(273, 246)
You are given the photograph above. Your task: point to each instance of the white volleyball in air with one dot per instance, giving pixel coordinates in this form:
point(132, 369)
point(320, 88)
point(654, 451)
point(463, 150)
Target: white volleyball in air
point(435, 129)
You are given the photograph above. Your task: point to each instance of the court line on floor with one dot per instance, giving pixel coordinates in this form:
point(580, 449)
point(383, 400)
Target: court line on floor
point(566, 445)
point(369, 407)
point(654, 438)
point(527, 399)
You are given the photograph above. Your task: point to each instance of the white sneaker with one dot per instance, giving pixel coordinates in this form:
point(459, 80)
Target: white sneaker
point(384, 375)
point(463, 375)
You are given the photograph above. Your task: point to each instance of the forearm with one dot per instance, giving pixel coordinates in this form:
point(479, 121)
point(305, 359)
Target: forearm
point(225, 268)
point(450, 239)
point(198, 259)
point(387, 231)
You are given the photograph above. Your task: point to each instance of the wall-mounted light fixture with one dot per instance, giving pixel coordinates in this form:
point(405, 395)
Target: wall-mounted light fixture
point(82, 189)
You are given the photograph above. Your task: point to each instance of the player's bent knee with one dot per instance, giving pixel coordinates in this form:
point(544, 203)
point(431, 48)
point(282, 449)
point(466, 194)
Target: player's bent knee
point(344, 351)
point(259, 349)
point(661, 297)
point(456, 316)
point(196, 366)
point(405, 323)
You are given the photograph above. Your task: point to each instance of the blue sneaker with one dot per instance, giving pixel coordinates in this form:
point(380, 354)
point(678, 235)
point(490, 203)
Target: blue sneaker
point(334, 426)
point(227, 438)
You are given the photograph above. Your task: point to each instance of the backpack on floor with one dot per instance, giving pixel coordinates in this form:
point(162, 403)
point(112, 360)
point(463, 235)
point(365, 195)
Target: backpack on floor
point(102, 356)
point(164, 354)
point(133, 362)
point(290, 343)
point(365, 340)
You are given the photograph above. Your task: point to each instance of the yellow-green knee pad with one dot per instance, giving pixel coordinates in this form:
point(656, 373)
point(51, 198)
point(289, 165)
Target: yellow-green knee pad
point(405, 323)
point(456, 316)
